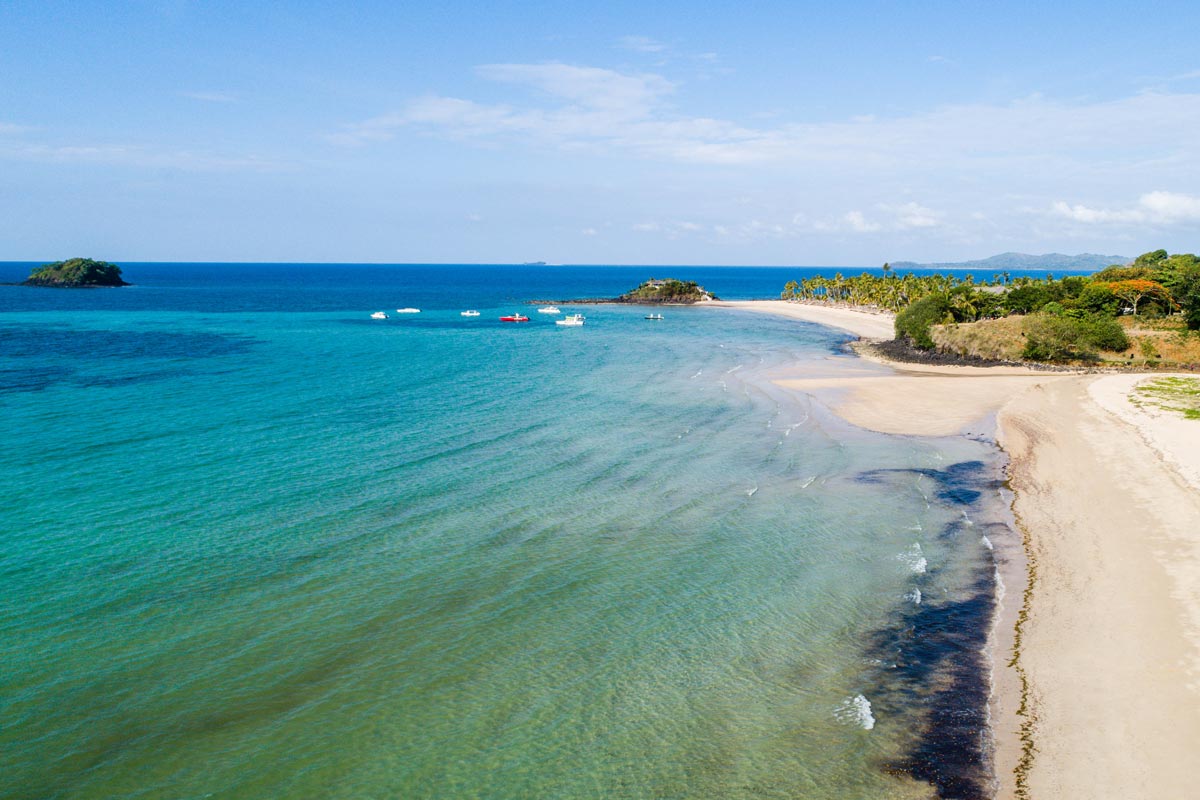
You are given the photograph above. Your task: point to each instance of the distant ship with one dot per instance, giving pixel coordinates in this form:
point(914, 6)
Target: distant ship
point(533, 263)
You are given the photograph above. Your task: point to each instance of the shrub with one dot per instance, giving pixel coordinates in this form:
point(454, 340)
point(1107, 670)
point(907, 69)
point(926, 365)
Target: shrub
point(914, 322)
point(1103, 332)
point(1051, 338)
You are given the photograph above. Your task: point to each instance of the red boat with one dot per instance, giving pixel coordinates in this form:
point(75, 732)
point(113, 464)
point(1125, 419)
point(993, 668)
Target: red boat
point(518, 317)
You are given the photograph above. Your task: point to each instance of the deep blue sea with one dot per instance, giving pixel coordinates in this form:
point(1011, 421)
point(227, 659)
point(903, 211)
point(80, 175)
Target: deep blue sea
point(254, 543)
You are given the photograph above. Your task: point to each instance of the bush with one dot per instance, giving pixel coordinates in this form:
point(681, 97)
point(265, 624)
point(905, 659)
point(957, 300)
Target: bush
point(914, 322)
point(1103, 332)
point(1051, 338)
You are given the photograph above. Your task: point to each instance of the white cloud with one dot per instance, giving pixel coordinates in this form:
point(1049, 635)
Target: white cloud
point(1153, 208)
point(589, 231)
point(602, 111)
point(672, 230)
point(912, 215)
point(857, 222)
point(212, 97)
point(589, 87)
point(642, 44)
point(10, 128)
point(885, 218)
point(138, 156)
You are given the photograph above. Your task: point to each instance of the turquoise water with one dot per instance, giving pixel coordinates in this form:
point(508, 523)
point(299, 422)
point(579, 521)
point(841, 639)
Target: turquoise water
point(298, 552)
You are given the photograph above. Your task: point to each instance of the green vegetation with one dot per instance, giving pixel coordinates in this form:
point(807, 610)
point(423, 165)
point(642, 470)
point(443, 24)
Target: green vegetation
point(666, 291)
point(1172, 394)
point(76, 272)
point(1056, 337)
point(915, 322)
point(1076, 318)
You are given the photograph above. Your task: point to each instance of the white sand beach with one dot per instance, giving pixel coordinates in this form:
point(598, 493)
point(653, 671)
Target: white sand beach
point(1107, 495)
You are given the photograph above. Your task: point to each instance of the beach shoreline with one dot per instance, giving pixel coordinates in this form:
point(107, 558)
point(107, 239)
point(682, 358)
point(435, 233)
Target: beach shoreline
point(1095, 647)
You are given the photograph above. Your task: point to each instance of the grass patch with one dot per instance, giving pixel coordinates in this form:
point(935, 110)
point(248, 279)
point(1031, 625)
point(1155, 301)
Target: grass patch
point(1171, 394)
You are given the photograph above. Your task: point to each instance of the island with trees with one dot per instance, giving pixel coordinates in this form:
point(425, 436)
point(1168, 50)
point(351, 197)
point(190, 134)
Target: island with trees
point(655, 291)
point(1145, 313)
point(76, 273)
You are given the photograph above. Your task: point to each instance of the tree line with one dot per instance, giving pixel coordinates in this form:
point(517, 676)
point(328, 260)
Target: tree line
point(1080, 310)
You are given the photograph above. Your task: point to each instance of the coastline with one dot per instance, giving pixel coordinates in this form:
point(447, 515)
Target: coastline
point(1095, 646)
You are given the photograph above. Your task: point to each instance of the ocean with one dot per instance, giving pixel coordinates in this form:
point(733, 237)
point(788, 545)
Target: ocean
point(254, 543)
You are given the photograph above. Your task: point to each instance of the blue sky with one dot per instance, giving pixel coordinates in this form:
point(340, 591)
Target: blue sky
point(751, 133)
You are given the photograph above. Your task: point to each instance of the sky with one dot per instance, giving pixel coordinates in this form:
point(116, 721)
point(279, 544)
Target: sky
point(756, 133)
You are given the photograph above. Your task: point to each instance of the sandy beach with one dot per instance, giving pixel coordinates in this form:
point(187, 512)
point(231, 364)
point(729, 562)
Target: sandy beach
point(1103, 699)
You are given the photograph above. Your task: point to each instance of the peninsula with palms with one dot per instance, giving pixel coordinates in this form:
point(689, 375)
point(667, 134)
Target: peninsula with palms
point(1144, 313)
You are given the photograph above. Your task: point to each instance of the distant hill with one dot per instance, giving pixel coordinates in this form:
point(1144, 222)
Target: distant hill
point(1024, 261)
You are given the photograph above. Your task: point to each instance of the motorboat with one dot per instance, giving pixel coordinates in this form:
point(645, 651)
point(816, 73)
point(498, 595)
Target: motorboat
point(549, 310)
point(571, 320)
point(469, 313)
point(654, 316)
point(408, 311)
point(379, 315)
point(518, 317)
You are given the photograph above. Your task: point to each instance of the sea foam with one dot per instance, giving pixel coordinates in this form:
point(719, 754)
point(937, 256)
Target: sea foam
point(914, 558)
point(856, 711)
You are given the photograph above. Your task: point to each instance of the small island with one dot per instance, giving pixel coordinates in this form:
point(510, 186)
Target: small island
point(655, 291)
point(671, 291)
point(76, 273)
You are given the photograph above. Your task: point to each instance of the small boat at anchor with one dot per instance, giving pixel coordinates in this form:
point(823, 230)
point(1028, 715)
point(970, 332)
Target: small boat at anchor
point(518, 317)
point(469, 313)
point(379, 315)
point(654, 316)
point(408, 311)
point(549, 310)
point(571, 320)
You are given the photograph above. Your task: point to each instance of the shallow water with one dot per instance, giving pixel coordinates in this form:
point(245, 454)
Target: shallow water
point(257, 544)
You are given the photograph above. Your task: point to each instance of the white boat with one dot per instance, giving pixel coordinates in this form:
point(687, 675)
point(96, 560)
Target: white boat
point(379, 315)
point(549, 310)
point(408, 311)
point(654, 316)
point(570, 320)
point(469, 313)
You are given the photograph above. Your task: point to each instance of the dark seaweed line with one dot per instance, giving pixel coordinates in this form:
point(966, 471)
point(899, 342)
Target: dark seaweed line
point(1024, 711)
point(938, 651)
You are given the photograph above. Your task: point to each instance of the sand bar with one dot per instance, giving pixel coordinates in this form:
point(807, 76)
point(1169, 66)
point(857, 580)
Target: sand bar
point(861, 323)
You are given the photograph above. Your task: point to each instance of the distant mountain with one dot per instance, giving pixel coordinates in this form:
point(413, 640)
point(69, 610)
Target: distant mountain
point(1024, 261)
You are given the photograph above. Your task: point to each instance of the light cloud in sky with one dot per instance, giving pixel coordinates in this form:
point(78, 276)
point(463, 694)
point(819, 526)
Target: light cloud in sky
point(603, 111)
point(212, 97)
point(1152, 208)
point(137, 156)
point(882, 218)
point(11, 128)
point(641, 44)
